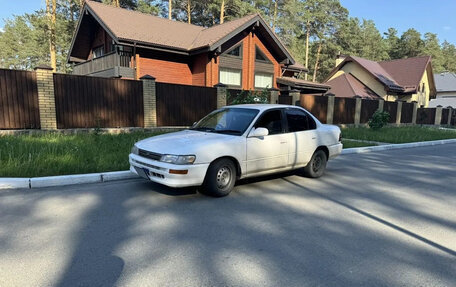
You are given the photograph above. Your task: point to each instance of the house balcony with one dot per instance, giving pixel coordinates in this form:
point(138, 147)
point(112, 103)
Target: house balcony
point(112, 65)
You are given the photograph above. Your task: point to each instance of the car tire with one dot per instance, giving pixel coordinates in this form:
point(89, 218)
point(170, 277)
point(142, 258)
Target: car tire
point(317, 165)
point(220, 178)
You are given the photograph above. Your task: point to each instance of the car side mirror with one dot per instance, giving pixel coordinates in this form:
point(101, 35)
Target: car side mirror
point(258, 133)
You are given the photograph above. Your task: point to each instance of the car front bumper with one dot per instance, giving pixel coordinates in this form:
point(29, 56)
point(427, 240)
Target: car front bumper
point(159, 172)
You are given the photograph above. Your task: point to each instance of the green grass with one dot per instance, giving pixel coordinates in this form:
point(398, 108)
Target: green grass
point(59, 154)
point(397, 134)
point(352, 144)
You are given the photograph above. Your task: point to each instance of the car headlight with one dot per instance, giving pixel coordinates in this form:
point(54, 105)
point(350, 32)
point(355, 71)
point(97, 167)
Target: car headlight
point(134, 150)
point(178, 159)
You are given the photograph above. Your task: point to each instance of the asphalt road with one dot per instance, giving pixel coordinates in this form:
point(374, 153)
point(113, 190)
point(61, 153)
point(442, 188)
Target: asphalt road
point(376, 219)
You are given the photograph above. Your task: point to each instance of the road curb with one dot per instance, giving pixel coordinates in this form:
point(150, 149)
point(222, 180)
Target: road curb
point(395, 146)
point(62, 180)
point(50, 181)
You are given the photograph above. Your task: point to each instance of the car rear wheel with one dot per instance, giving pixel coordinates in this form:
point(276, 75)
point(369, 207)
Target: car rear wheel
point(220, 178)
point(317, 165)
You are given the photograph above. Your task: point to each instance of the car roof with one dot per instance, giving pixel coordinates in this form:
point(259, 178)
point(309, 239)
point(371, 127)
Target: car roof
point(261, 107)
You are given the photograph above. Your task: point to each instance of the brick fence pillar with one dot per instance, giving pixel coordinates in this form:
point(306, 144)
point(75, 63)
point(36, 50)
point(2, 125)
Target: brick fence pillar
point(438, 115)
point(381, 103)
point(150, 101)
point(358, 110)
point(274, 96)
point(295, 97)
point(221, 95)
point(414, 113)
point(46, 97)
point(398, 112)
point(330, 109)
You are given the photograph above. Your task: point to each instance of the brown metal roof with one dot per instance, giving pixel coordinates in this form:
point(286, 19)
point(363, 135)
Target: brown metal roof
point(377, 71)
point(299, 83)
point(133, 26)
point(347, 86)
point(402, 76)
point(407, 72)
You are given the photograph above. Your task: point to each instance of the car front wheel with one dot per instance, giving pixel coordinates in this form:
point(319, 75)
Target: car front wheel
point(317, 165)
point(220, 178)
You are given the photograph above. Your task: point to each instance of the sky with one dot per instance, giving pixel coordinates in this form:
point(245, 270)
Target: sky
point(436, 16)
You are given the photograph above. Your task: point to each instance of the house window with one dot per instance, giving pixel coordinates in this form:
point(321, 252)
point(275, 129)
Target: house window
point(235, 52)
point(260, 56)
point(98, 52)
point(263, 80)
point(231, 77)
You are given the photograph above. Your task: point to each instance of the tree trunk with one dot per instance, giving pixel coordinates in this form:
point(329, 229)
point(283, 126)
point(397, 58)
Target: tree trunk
point(320, 44)
point(274, 17)
point(222, 12)
point(51, 14)
point(170, 9)
point(307, 47)
point(189, 12)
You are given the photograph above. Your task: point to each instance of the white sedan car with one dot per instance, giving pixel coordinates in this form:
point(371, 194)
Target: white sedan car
point(236, 142)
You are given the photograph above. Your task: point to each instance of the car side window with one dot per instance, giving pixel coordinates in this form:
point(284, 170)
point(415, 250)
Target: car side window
point(299, 121)
point(272, 120)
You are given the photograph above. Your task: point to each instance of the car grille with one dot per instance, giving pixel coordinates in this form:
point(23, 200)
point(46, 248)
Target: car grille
point(149, 155)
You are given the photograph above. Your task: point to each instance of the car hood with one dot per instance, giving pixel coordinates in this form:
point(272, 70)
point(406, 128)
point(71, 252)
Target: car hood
point(186, 142)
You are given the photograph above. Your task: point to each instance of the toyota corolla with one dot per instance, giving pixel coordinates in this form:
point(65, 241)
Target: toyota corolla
point(237, 142)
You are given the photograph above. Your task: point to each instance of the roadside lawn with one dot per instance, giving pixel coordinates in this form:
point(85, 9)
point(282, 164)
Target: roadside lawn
point(397, 134)
point(59, 154)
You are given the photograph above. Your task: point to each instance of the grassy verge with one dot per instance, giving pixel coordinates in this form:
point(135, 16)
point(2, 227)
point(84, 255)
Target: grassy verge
point(58, 154)
point(352, 144)
point(397, 134)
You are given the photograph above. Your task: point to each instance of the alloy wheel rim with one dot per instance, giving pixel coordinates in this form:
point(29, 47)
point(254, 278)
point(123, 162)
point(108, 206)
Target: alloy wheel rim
point(223, 177)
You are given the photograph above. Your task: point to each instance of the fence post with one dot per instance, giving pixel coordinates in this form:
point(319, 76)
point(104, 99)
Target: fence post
point(358, 110)
point(46, 97)
point(150, 101)
point(438, 115)
point(381, 103)
point(295, 97)
point(398, 112)
point(414, 113)
point(274, 96)
point(330, 109)
point(221, 95)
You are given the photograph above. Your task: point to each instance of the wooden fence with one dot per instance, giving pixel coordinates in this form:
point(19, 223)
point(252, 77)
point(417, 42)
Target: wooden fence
point(89, 102)
point(18, 100)
point(344, 111)
point(182, 105)
point(316, 105)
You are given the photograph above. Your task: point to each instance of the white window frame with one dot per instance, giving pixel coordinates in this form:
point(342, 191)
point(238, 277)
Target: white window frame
point(270, 85)
point(227, 81)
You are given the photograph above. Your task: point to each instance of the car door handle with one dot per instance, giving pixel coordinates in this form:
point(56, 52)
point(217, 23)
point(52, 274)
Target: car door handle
point(283, 142)
point(314, 138)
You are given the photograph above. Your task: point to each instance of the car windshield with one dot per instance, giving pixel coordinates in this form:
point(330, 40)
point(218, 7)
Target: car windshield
point(232, 121)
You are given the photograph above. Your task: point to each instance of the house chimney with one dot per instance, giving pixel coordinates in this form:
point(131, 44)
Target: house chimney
point(340, 58)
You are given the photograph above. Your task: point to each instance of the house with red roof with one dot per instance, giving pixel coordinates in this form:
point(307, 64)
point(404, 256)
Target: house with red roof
point(407, 80)
point(244, 53)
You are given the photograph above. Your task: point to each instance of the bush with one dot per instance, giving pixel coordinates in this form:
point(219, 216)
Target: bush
point(379, 119)
point(249, 97)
